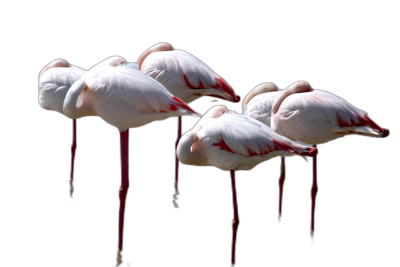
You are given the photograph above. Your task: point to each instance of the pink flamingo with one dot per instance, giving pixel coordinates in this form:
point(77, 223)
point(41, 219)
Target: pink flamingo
point(311, 116)
point(55, 79)
point(230, 141)
point(124, 97)
point(186, 77)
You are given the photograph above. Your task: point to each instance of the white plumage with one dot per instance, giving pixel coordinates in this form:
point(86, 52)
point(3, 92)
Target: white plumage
point(54, 82)
point(184, 75)
point(122, 95)
point(317, 117)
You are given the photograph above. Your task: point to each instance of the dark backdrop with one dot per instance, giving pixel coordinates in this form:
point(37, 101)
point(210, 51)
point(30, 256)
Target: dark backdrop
point(349, 53)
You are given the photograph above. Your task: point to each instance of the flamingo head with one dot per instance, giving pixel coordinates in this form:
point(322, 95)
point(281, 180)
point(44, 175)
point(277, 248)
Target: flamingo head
point(299, 87)
point(58, 63)
point(215, 112)
point(212, 113)
point(113, 61)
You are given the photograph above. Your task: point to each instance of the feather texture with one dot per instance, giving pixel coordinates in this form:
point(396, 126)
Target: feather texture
point(54, 84)
point(185, 76)
point(233, 141)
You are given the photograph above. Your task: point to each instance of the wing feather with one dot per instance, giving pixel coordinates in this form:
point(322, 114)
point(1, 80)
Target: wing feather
point(244, 136)
point(129, 86)
point(324, 106)
point(179, 71)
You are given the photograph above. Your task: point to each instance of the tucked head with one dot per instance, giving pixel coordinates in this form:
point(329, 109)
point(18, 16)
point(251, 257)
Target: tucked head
point(155, 48)
point(215, 112)
point(259, 89)
point(299, 87)
point(58, 63)
point(113, 61)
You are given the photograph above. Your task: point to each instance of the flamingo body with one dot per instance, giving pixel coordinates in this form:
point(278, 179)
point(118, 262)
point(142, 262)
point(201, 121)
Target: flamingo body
point(123, 96)
point(185, 76)
point(230, 141)
point(317, 117)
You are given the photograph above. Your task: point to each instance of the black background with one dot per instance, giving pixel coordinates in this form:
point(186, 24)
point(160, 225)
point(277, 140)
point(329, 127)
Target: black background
point(349, 52)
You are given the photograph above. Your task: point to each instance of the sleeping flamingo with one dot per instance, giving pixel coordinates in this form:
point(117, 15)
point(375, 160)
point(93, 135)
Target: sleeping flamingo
point(186, 77)
point(124, 97)
point(311, 116)
point(230, 141)
point(55, 79)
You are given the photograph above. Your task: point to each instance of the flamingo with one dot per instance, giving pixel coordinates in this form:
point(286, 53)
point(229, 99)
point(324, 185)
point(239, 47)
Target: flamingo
point(124, 97)
point(55, 79)
point(186, 77)
point(230, 141)
point(311, 116)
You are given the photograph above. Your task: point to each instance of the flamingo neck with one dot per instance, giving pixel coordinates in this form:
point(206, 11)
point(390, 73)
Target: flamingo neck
point(75, 105)
point(260, 89)
point(297, 87)
point(188, 151)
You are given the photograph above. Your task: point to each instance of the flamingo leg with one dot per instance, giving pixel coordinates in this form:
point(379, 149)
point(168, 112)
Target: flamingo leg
point(314, 191)
point(281, 182)
point(73, 149)
point(175, 196)
point(235, 222)
point(124, 184)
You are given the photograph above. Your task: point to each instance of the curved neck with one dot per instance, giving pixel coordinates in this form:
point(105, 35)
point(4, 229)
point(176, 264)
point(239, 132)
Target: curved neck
point(143, 57)
point(71, 101)
point(297, 87)
point(262, 88)
point(154, 48)
point(187, 151)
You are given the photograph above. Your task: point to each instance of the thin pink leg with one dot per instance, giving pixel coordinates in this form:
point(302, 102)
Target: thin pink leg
point(175, 196)
point(123, 191)
point(74, 146)
point(314, 191)
point(281, 182)
point(235, 222)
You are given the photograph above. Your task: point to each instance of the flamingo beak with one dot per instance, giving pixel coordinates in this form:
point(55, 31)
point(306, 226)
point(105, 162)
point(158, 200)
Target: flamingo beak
point(236, 99)
point(226, 90)
point(385, 132)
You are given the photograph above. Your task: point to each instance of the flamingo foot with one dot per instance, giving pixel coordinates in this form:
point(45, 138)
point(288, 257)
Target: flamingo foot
point(71, 188)
point(281, 183)
point(312, 232)
point(73, 149)
point(124, 185)
point(279, 217)
point(175, 196)
point(314, 191)
point(235, 223)
point(119, 258)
